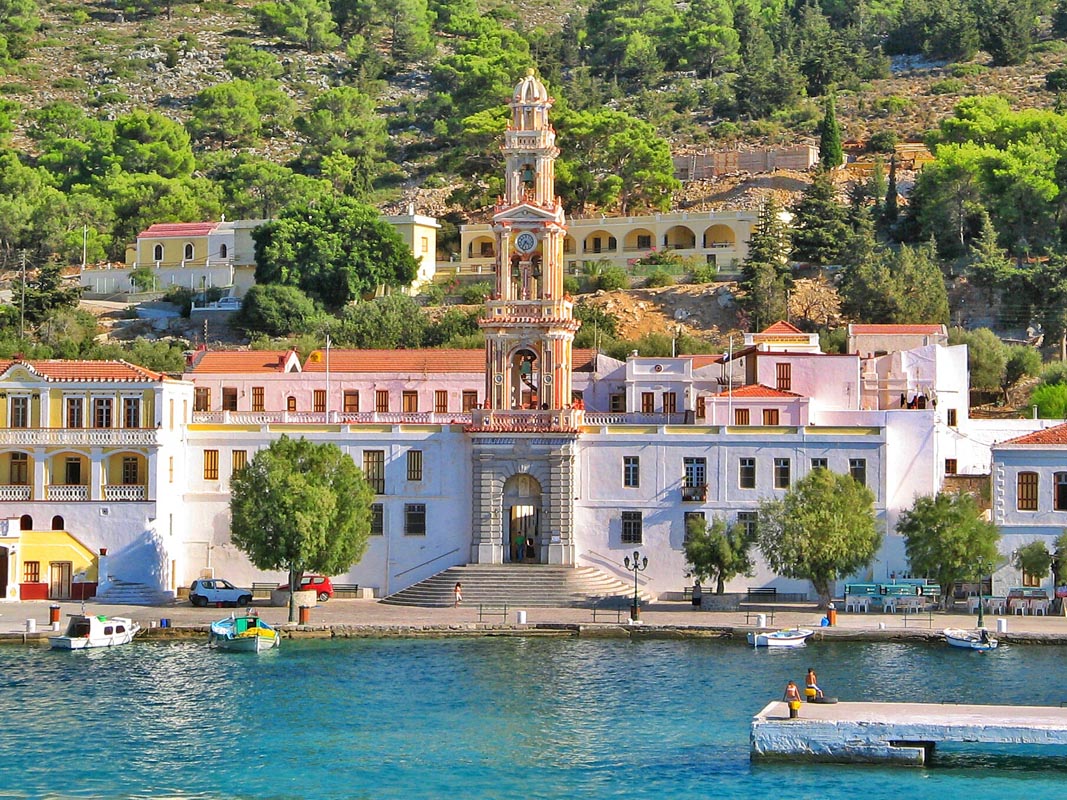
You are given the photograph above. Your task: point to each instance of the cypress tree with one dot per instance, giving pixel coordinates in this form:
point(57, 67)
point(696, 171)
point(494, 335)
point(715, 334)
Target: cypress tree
point(830, 153)
point(890, 209)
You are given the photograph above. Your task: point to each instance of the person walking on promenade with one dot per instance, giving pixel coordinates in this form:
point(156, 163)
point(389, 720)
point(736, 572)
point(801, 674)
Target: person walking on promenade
point(792, 697)
point(457, 594)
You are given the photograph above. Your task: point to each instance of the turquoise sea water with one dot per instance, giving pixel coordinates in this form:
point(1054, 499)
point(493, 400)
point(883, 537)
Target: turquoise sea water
point(485, 718)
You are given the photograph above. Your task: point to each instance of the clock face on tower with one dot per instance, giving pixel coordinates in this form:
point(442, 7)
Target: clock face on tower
point(525, 242)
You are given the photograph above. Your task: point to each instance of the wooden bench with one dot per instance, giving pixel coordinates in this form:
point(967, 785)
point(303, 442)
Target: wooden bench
point(263, 589)
point(346, 590)
point(761, 594)
point(492, 610)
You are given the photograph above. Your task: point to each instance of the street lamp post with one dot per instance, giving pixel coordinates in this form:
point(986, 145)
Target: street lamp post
point(637, 566)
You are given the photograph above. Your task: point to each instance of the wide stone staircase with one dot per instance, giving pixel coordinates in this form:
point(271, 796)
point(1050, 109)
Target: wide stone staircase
point(128, 593)
point(535, 585)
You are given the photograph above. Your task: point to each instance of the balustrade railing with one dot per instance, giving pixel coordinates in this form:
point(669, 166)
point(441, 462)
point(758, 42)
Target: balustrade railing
point(331, 418)
point(105, 437)
point(694, 494)
point(123, 493)
point(15, 492)
point(637, 418)
point(67, 492)
point(564, 419)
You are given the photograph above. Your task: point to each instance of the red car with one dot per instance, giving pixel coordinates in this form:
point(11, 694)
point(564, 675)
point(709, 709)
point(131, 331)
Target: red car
point(319, 584)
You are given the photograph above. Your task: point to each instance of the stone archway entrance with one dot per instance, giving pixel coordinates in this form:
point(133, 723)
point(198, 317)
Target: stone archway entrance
point(522, 507)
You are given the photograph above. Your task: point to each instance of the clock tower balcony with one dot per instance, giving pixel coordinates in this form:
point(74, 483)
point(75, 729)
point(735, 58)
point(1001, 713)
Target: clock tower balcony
point(556, 313)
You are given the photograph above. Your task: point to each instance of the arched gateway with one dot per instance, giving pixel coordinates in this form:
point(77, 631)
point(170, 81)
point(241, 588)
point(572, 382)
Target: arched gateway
point(523, 441)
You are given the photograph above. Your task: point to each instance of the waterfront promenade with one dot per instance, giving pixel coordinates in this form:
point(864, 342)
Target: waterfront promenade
point(368, 617)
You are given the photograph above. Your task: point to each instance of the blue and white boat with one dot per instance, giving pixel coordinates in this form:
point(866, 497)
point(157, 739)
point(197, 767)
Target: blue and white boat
point(978, 639)
point(793, 637)
point(246, 634)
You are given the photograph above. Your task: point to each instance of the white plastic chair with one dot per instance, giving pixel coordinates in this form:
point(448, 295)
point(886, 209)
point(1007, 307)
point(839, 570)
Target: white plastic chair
point(1039, 607)
point(1019, 607)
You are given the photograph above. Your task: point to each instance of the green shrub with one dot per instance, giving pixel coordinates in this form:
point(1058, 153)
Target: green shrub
point(15, 87)
point(893, 105)
point(613, 278)
point(968, 70)
point(68, 82)
point(475, 293)
point(571, 285)
point(1056, 81)
point(947, 86)
point(883, 142)
point(434, 294)
point(182, 298)
point(659, 277)
point(704, 273)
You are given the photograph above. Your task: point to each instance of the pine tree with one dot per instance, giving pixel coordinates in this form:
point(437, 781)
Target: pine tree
point(820, 230)
point(891, 207)
point(831, 155)
point(765, 274)
point(989, 266)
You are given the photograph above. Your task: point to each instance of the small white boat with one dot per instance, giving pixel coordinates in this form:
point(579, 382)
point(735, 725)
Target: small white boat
point(247, 634)
point(84, 631)
point(793, 637)
point(977, 639)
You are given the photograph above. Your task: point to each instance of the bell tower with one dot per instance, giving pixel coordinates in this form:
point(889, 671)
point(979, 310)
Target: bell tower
point(524, 441)
point(529, 324)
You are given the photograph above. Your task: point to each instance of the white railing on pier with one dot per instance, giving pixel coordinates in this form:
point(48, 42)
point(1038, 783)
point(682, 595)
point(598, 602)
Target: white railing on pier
point(13, 491)
point(104, 437)
point(67, 492)
point(122, 493)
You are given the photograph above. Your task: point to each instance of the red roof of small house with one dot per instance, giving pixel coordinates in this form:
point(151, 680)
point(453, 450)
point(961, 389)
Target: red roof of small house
point(238, 362)
point(758, 390)
point(167, 230)
point(855, 329)
point(1053, 435)
point(781, 326)
point(103, 371)
point(428, 360)
point(705, 360)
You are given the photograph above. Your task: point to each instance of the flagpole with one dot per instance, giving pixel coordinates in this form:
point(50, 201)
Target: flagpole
point(327, 377)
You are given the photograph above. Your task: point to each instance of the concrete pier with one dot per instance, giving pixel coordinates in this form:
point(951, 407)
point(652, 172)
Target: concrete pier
point(896, 732)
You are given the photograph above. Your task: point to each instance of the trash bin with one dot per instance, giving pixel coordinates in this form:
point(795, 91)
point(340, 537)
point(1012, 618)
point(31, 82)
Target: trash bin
point(1002, 625)
point(305, 615)
point(164, 623)
point(832, 615)
point(520, 617)
point(761, 620)
point(53, 613)
point(31, 626)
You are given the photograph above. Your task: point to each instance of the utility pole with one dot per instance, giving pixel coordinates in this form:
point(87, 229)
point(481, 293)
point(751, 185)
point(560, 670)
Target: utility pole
point(22, 304)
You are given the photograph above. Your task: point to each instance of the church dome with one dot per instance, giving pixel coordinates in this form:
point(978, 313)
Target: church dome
point(530, 90)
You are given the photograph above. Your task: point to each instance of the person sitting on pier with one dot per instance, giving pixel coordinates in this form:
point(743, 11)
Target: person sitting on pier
point(792, 697)
point(811, 686)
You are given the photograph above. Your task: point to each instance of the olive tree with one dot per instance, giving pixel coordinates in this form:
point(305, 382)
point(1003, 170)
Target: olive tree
point(822, 530)
point(947, 540)
point(1034, 559)
point(717, 551)
point(301, 507)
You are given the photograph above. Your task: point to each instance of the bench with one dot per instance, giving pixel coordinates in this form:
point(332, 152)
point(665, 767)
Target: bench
point(346, 590)
point(761, 594)
point(756, 611)
point(263, 589)
point(492, 610)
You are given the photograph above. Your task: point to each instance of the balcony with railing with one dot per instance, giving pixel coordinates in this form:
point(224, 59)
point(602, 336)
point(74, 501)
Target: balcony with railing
point(564, 420)
point(695, 494)
point(259, 418)
point(637, 418)
point(67, 492)
point(125, 493)
point(503, 311)
point(80, 437)
point(15, 492)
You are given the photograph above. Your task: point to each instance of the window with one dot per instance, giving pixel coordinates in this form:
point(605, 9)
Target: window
point(470, 400)
point(1059, 499)
point(781, 473)
point(101, 412)
point(648, 402)
point(318, 401)
point(238, 460)
point(740, 416)
point(702, 407)
point(410, 402)
point(414, 465)
point(257, 398)
point(644, 241)
point(424, 244)
point(189, 251)
point(20, 469)
point(157, 253)
point(377, 519)
point(211, 465)
point(748, 519)
point(783, 375)
point(670, 402)
point(631, 527)
point(857, 468)
point(440, 401)
point(381, 401)
point(951, 467)
point(72, 471)
point(374, 469)
point(693, 520)
point(202, 399)
point(31, 571)
point(415, 519)
point(131, 412)
point(631, 471)
point(229, 398)
point(20, 412)
point(617, 403)
point(290, 404)
point(696, 472)
point(770, 416)
point(351, 401)
point(746, 473)
point(1026, 492)
point(129, 471)
point(819, 463)
point(75, 412)
point(1030, 581)
point(952, 418)
point(224, 251)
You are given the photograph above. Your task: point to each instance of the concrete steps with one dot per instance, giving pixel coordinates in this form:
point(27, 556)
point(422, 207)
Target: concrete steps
point(534, 585)
point(129, 593)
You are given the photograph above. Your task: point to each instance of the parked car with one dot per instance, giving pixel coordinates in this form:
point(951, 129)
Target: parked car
point(319, 584)
point(209, 591)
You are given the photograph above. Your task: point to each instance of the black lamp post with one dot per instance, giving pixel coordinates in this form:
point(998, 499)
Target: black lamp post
point(637, 566)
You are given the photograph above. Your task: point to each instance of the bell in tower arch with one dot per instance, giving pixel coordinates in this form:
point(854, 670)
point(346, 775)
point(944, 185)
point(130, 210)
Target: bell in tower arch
point(527, 174)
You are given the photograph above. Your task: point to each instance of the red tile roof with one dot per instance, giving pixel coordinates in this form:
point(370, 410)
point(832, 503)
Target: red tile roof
point(854, 329)
point(781, 326)
point(165, 230)
point(704, 360)
point(427, 360)
point(56, 370)
point(757, 390)
point(213, 362)
point(1054, 435)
